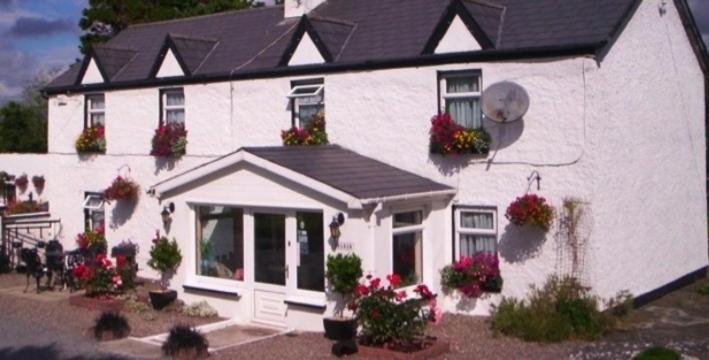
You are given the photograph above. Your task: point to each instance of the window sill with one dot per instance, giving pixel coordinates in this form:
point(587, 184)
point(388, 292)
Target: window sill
point(211, 288)
point(319, 304)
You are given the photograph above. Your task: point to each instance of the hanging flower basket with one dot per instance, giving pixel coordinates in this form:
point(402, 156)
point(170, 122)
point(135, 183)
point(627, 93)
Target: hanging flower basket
point(92, 140)
point(447, 137)
point(122, 189)
point(313, 134)
point(472, 276)
point(170, 140)
point(38, 182)
point(532, 210)
point(21, 182)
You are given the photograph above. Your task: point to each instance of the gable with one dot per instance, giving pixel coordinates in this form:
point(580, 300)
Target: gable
point(306, 52)
point(92, 74)
point(457, 39)
point(170, 66)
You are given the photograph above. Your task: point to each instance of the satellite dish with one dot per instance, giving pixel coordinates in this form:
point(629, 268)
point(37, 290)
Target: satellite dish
point(505, 102)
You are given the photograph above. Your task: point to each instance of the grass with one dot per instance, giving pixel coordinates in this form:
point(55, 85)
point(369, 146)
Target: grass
point(562, 309)
point(658, 353)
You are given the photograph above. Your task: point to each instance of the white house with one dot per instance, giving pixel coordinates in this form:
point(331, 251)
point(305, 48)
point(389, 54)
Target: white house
point(616, 119)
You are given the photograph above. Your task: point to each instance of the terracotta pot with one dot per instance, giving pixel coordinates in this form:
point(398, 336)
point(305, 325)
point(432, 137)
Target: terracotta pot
point(340, 329)
point(162, 298)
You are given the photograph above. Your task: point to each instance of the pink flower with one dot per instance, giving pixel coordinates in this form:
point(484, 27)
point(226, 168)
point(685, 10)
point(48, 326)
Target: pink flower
point(401, 295)
point(394, 280)
point(424, 292)
point(361, 290)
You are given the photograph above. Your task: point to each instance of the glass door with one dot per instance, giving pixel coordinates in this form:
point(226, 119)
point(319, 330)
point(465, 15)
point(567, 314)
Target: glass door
point(310, 251)
point(270, 249)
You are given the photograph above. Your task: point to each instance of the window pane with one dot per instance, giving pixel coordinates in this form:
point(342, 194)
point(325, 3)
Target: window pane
point(307, 113)
point(97, 102)
point(306, 90)
point(408, 257)
point(466, 112)
point(221, 245)
point(175, 116)
point(477, 220)
point(462, 84)
point(311, 272)
point(175, 98)
point(98, 119)
point(270, 248)
point(408, 219)
point(473, 244)
point(97, 219)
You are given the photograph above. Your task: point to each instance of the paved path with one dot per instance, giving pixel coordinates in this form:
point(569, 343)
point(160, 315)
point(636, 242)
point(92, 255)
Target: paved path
point(24, 340)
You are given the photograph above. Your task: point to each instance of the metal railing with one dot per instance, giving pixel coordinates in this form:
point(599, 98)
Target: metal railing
point(27, 231)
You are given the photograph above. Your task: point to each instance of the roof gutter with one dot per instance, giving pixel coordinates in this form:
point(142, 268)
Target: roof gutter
point(423, 60)
point(414, 196)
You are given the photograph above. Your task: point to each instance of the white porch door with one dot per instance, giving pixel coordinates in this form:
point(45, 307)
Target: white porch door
point(270, 267)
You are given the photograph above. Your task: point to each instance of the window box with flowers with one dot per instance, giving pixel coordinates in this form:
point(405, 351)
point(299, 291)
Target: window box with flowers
point(92, 140)
point(391, 320)
point(122, 188)
point(448, 137)
point(312, 134)
point(531, 210)
point(170, 140)
point(473, 276)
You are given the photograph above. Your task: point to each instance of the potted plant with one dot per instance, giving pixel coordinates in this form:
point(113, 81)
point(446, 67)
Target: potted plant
point(111, 326)
point(165, 257)
point(472, 276)
point(185, 342)
point(343, 274)
point(447, 137)
point(122, 189)
point(169, 140)
point(91, 140)
point(313, 134)
point(530, 210)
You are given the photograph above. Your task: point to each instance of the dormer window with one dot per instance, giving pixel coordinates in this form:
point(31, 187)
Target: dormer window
point(307, 99)
point(460, 97)
point(173, 106)
point(95, 111)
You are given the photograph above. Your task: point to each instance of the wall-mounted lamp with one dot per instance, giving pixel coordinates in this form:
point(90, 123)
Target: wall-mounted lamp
point(335, 224)
point(166, 212)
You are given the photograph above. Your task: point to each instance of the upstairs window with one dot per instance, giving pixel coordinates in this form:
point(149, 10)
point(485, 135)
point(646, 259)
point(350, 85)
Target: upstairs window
point(307, 98)
point(172, 103)
point(95, 111)
point(460, 97)
point(476, 231)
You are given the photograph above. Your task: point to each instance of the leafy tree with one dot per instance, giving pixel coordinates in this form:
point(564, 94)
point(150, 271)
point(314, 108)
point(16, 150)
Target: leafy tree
point(22, 129)
point(103, 19)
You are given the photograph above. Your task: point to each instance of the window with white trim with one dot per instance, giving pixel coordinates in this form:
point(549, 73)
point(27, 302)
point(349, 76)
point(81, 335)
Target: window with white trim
point(475, 231)
point(173, 106)
point(407, 252)
point(220, 242)
point(94, 213)
point(460, 97)
point(95, 110)
point(307, 100)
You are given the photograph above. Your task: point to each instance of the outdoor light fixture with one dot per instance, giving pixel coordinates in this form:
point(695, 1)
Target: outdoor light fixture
point(337, 221)
point(166, 212)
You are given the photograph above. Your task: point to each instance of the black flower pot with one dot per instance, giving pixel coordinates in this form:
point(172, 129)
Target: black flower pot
point(340, 329)
point(161, 299)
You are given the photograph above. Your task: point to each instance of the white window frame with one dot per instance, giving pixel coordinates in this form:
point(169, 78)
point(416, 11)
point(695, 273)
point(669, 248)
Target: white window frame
point(90, 111)
point(166, 108)
point(101, 207)
point(212, 280)
point(317, 90)
point(408, 230)
point(460, 230)
point(445, 95)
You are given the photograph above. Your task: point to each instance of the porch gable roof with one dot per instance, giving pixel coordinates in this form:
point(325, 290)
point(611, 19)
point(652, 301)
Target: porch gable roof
point(332, 170)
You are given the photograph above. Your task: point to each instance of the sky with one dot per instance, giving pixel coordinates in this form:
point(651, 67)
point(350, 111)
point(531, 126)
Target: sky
point(39, 35)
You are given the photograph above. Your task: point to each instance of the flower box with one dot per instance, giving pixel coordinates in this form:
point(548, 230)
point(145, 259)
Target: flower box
point(91, 140)
point(531, 210)
point(313, 134)
point(472, 276)
point(432, 348)
point(447, 137)
point(170, 141)
point(122, 189)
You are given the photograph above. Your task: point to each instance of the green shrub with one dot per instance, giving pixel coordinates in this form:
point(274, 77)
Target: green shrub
point(343, 274)
point(703, 290)
point(658, 353)
point(560, 310)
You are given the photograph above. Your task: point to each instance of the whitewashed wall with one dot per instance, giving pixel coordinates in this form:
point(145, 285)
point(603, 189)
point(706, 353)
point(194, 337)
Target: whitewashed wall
point(625, 135)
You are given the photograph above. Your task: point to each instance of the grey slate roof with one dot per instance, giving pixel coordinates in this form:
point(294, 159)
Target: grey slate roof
point(345, 170)
point(354, 32)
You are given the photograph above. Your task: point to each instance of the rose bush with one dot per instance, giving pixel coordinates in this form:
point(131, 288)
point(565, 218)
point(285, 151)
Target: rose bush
point(99, 277)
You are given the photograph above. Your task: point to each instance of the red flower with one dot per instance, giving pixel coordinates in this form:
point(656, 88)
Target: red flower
point(424, 292)
point(394, 280)
point(401, 295)
point(120, 260)
point(361, 290)
point(374, 283)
